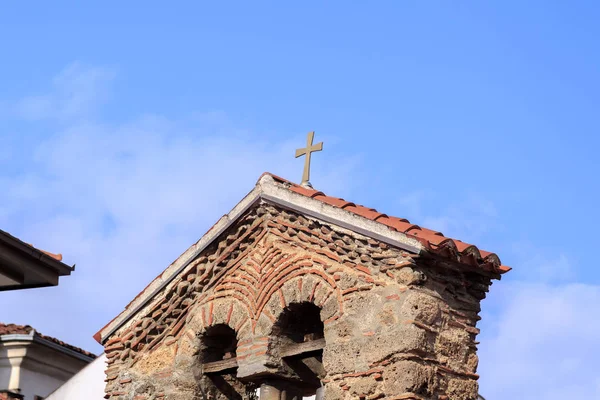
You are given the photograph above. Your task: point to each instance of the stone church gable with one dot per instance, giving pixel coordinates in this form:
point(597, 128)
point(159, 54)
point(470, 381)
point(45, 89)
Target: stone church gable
point(382, 317)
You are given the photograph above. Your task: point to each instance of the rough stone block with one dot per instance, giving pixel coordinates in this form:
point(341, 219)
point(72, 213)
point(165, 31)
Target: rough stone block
point(452, 347)
point(344, 357)
point(420, 307)
point(409, 376)
point(462, 389)
point(407, 339)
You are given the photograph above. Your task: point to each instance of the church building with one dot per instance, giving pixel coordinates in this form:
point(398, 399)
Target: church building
point(297, 294)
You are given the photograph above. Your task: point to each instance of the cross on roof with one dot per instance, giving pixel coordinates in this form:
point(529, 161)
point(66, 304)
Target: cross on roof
point(310, 148)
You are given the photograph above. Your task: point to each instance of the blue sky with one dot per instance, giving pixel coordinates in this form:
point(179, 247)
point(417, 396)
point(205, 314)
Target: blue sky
point(128, 129)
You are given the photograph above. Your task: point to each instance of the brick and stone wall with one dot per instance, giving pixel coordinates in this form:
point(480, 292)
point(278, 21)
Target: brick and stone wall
point(397, 325)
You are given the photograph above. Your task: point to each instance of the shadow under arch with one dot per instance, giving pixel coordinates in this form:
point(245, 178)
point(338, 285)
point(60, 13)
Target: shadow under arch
point(218, 342)
point(298, 323)
point(297, 339)
point(217, 364)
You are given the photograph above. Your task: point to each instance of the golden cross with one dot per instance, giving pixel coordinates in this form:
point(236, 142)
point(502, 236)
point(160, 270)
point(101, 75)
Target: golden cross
point(308, 150)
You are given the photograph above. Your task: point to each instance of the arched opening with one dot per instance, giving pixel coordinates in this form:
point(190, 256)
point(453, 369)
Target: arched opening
point(300, 322)
point(218, 343)
point(298, 338)
point(218, 362)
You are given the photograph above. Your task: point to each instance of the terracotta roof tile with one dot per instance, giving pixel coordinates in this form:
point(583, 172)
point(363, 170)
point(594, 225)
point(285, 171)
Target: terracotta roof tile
point(503, 269)
point(434, 241)
point(13, 329)
point(464, 247)
point(485, 254)
point(57, 257)
point(431, 232)
point(398, 224)
point(432, 238)
point(369, 213)
point(306, 191)
point(334, 201)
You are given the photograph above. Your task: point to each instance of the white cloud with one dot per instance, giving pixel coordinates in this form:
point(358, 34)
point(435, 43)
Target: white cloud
point(541, 343)
point(77, 91)
point(551, 265)
point(124, 201)
point(467, 218)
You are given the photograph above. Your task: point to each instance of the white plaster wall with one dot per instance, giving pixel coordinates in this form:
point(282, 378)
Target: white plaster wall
point(4, 376)
point(87, 384)
point(36, 383)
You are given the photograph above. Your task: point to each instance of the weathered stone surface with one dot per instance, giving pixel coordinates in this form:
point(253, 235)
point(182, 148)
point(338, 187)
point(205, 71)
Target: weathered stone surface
point(409, 276)
point(410, 376)
point(421, 307)
point(462, 389)
point(343, 357)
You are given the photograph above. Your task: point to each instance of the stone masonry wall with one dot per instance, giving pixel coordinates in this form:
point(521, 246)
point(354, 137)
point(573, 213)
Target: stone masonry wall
point(397, 325)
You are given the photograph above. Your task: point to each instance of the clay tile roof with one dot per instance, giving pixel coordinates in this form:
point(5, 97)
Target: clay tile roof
point(13, 329)
point(306, 191)
point(57, 257)
point(334, 201)
point(435, 242)
point(398, 224)
point(369, 213)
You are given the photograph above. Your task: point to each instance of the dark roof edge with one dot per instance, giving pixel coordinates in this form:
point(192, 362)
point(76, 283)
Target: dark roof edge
point(35, 337)
point(38, 255)
point(67, 350)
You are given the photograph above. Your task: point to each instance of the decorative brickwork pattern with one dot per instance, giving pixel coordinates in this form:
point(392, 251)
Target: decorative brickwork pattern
point(397, 325)
point(434, 241)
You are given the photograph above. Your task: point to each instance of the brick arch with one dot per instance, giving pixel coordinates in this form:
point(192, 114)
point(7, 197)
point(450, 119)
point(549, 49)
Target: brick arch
point(220, 311)
point(211, 313)
point(300, 287)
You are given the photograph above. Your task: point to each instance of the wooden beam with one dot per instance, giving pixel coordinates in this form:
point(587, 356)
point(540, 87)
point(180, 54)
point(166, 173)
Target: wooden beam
point(309, 369)
point(300, 348)
point(315, 366)
point(219, 366)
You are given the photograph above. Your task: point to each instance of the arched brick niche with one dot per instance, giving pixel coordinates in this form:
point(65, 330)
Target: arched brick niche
point(305, 286)
point(216, 368)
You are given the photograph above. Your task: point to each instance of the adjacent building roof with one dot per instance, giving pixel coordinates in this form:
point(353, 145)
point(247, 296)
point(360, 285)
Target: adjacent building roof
point(13, 329)
point(23, 266)
point(270, 188)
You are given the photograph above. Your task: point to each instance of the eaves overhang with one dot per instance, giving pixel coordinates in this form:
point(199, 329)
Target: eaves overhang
point(32, 337)
point(23, 266)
